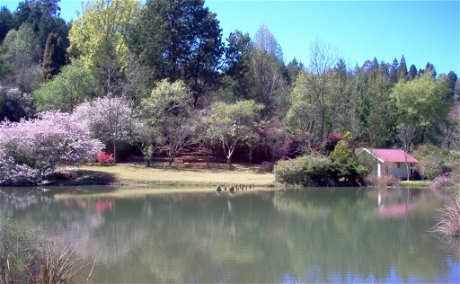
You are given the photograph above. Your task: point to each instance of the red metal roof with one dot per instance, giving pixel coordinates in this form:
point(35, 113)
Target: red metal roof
point(393, 155)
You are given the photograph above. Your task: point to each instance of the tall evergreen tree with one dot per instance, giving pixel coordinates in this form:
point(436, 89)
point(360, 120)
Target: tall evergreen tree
point(293, 70)
point(385, 69)
point(6, 22)
point(430, 68)
point(44, 17)
point(54, 56)
point(236, 65)
point(394, 71)
point(180, 40)
point(375, 63)
point(450, 81)
point(412, 72)
point(402, 72)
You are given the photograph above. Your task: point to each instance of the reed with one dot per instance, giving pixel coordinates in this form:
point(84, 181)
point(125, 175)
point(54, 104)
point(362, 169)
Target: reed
point(449, 220)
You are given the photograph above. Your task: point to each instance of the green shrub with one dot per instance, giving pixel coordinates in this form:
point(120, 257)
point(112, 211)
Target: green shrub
point(345, 163)
point(434, 161)
point(309, 170)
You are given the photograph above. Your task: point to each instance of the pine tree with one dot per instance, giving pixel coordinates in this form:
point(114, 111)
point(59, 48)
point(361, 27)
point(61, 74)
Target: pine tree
point(180, 40)
point(394, 71)
point(53, 57)
point(430, 68)
point(402, 73)
point(451, 80)
point(412, 72)
point(384, 69)
point(6, 22)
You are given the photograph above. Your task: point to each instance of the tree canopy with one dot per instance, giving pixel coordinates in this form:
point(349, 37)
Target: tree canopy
point(180, 40)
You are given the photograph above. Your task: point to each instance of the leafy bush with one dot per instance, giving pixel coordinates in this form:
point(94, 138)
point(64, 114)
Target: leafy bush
point(309, 170)
point(345, 164)
point(103, 158)
point(434, 161)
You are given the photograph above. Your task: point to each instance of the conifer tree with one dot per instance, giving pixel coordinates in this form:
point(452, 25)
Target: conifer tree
point(394, 71)
point(6, 22)
point(179, 40)
point(54, 56)
point(412, 72)
point(450, 81)
point(430, 68)
point(402, 72)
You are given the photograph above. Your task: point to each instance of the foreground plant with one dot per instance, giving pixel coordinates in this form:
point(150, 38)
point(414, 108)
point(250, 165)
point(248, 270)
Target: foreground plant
point(449, 221)
point(26, 257)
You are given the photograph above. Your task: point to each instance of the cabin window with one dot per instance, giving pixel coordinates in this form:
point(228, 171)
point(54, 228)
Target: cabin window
point(399, 165)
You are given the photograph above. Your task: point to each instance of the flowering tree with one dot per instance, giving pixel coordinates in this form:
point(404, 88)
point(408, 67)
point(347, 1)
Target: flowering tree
point(31, 149)
point(110, 119)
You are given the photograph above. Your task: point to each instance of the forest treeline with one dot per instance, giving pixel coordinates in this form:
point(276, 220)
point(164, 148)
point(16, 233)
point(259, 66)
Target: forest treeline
point(159, 75)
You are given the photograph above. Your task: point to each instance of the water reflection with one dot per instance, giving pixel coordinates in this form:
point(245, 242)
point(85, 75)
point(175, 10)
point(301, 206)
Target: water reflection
point(316, 235)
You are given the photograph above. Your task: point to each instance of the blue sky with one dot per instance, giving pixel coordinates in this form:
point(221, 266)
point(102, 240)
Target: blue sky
point(422, 31)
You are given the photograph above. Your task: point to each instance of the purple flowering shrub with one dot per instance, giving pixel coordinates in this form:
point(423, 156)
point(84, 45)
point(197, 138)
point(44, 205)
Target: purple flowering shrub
point(31, 149)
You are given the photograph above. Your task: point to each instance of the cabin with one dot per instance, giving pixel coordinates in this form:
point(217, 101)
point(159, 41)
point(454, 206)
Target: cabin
point(393, 162)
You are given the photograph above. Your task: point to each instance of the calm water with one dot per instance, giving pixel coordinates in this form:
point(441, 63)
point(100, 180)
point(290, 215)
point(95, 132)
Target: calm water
point(316, 235)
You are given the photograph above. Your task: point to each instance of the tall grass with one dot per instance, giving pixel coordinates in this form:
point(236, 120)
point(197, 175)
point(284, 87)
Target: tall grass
point(57, 266)
point(25, 256)
point(383, 181)
point(449, 221)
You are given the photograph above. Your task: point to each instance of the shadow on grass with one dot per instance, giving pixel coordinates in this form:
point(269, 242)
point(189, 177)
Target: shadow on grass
point(82, 177)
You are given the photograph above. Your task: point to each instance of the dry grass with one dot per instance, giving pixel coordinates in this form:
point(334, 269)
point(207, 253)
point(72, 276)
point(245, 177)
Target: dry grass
point(449, 221)
point(132, 174)
point(383, 182)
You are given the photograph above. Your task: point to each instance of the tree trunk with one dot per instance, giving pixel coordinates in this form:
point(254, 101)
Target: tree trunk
point(408, 171)
point(323, 121)
point(114, 152)
point(229, 162)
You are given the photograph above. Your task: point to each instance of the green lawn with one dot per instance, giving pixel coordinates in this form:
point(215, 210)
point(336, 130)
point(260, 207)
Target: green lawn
point(416, 183)
point(135, 174)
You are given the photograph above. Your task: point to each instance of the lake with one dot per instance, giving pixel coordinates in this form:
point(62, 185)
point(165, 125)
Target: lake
point(311, 235)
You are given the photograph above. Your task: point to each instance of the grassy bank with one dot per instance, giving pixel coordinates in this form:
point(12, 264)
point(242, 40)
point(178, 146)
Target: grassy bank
point(416, 183)
point(137, 174)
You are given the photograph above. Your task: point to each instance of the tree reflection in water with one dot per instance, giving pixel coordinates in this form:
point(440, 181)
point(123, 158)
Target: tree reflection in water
point(314, 235)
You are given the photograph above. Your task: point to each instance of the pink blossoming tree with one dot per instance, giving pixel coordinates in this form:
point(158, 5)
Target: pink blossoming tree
point(30, 150)
point(110, 119)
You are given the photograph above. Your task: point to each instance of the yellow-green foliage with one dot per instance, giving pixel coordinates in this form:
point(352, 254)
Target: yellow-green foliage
point(103, 21)
point(419, 101)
